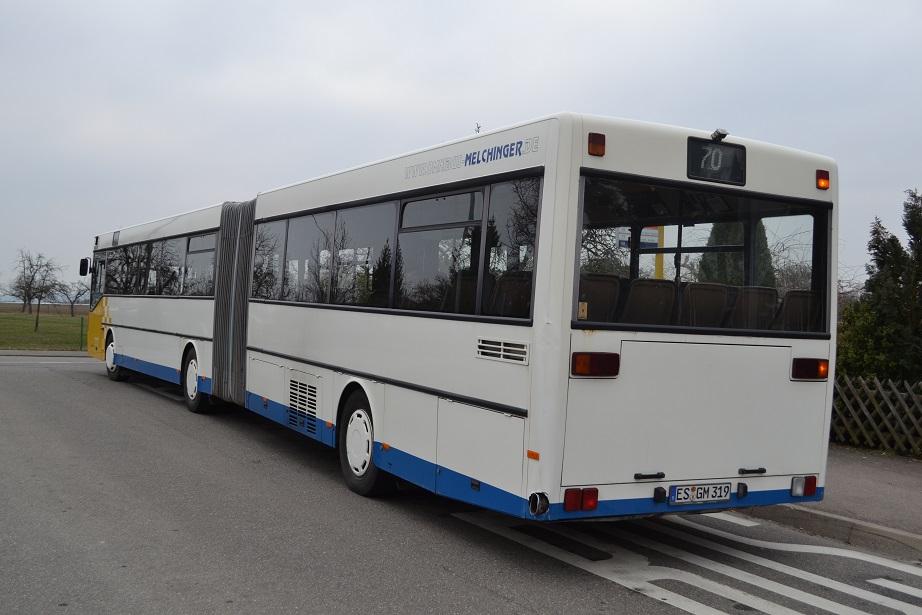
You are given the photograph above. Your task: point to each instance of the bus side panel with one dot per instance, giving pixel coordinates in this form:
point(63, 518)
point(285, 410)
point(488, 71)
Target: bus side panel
point(407, 428)
point(485, 453)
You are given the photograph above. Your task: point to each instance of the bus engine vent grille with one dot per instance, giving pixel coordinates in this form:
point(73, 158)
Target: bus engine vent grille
point(302, 407)
point(502, 350)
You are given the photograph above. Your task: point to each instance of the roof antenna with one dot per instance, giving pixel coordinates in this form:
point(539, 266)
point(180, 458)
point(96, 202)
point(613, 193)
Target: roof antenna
point(719, 134)
point(476, 128)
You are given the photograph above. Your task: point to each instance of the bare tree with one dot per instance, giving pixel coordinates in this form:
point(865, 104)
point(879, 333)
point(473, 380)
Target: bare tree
point(73, 292)
point(36, 279)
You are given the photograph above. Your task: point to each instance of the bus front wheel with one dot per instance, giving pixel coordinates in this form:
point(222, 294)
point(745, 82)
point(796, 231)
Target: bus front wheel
point(115, 372)
point(356, 449)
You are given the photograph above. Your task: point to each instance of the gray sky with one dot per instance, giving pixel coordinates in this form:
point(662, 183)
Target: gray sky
point(116, 113)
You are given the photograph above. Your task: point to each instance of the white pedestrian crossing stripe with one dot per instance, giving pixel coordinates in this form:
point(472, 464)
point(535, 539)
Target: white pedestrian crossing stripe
point(633, 570)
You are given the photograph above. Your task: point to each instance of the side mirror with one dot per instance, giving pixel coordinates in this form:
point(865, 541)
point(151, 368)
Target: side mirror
point(84, 266)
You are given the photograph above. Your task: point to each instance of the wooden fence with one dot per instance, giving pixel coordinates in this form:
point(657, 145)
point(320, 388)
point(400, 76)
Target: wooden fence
point(881, 415)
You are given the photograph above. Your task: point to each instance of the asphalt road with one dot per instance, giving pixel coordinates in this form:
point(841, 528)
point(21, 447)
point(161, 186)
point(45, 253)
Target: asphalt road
point(115, 499)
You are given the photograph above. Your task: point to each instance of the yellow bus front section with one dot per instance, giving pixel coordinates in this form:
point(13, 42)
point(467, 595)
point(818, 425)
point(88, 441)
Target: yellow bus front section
point(98, 323)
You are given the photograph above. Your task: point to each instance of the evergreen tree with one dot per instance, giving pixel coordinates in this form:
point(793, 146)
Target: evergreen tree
point(881, 333)
point(727, 267)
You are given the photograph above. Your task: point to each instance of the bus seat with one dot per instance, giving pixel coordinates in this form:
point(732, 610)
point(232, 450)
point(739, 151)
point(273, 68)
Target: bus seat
point(799, 311)
point(599, 291)
point(512, 295)
point(754, 308)
point(649, 302)
point(703, 304)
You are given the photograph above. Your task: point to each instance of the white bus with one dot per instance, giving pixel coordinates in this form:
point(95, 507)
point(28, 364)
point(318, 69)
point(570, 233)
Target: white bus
point(573, 317)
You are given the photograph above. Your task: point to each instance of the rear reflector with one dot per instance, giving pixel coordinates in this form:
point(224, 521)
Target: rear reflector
point(596, 144)
point(596, 364)
point(810, 369)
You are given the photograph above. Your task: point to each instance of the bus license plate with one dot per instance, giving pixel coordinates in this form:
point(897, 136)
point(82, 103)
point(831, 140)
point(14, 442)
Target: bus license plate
point(698, 494)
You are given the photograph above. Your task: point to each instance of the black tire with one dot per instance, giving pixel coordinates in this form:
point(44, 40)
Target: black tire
point(356, 449)
point(115, 372)
point(196, 401)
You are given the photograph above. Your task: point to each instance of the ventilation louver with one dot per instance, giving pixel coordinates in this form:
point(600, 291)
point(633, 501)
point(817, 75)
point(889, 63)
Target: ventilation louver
point(500, 350)
point(302, 407)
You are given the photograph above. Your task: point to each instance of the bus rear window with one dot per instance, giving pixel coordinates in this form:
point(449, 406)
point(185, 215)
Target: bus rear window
point(658, 256)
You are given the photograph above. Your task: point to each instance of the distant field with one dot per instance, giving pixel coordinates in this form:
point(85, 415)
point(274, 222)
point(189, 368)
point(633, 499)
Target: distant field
point(57, 329)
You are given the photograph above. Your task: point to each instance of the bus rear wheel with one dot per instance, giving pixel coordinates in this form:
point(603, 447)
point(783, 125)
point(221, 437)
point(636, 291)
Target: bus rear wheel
point(356, 449)
point(196, 401)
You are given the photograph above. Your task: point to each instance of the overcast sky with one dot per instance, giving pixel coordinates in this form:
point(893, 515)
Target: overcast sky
point(116, 113)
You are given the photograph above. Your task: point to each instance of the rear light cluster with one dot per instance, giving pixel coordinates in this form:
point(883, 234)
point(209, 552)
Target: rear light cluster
point(810, 369)
point(580, 499)
point(803, 486)
point(596, 364)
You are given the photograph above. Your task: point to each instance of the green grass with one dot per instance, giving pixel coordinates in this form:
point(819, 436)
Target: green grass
point(55, 332)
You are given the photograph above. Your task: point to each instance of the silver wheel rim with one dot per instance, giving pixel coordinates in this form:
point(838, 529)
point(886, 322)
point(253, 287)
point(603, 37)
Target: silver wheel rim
point(110, 357)
point(359, 442)
point(192, 379)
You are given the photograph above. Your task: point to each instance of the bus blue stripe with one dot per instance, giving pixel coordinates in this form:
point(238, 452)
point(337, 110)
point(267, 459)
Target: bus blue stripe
point(158, 371)
point(458, 486)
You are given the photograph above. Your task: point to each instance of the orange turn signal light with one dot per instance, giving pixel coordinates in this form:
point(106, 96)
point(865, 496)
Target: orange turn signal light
point(810, 369)
point(596, 144)
point(596, 364)
point(822, 179)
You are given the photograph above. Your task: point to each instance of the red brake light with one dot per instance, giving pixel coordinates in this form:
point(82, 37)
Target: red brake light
point(810, 369)
point(810, 486)
point(596, 364)
point(590, 499)
point(572, 500)
point(822, 179)
point(596, 144)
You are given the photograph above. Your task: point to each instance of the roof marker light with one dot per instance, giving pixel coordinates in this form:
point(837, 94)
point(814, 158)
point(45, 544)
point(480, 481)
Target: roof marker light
point(822, 179)
point(596, 144)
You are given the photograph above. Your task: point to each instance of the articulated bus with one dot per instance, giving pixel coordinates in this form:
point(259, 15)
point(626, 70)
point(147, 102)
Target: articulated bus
point(575, 317)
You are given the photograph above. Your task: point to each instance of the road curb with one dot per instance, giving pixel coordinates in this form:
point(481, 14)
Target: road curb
point(851, 531)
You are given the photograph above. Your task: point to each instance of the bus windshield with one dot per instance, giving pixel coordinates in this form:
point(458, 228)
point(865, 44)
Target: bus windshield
point(667, 256)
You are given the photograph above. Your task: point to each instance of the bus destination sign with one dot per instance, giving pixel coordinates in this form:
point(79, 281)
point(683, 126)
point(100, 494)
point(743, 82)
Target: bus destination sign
point(712, 161)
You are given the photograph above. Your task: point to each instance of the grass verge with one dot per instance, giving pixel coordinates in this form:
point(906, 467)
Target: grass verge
point(55, 332)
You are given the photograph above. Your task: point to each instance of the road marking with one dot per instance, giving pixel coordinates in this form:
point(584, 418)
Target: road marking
point(777, 546)
point(911, 591)
point(629, 569)
point(788, 570)
point(633, 570)
point(732, 519)
point(734, 573)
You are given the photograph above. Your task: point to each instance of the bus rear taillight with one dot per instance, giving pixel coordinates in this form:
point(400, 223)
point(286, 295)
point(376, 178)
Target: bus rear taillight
point(803, 486)
point(580, 499)
point(596, 364)
point(822, 180)
point(810, 369)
